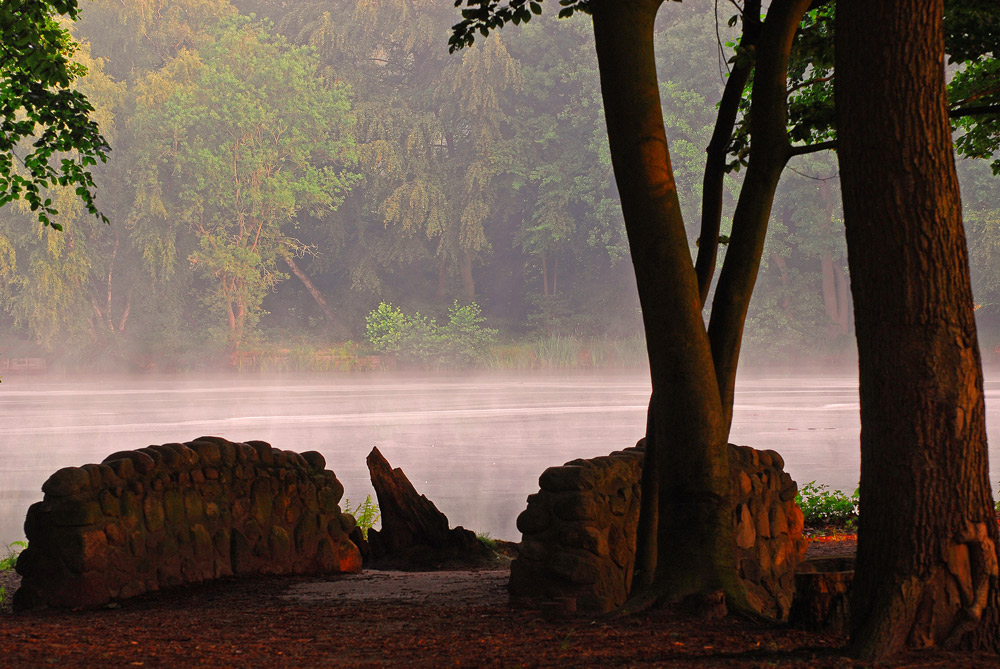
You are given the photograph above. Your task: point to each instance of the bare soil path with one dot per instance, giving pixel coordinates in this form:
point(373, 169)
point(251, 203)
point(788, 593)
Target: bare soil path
point(397, 619)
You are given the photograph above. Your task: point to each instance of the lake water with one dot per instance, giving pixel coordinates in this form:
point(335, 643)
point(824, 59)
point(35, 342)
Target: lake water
point(474, 445)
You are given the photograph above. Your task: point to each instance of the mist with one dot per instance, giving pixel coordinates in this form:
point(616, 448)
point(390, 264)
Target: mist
point(475, 445)
point(438, 213)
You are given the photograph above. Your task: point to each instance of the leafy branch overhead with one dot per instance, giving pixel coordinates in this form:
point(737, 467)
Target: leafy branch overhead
point(484, 16)
point(47, 136)
point(972, 31)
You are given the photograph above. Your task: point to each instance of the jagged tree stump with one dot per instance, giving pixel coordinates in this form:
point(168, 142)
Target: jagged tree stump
point(415, 534)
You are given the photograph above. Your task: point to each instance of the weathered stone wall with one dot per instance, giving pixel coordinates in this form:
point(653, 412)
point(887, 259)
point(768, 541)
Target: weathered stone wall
point(579, 532)
point(181, 513)
point(768, 522)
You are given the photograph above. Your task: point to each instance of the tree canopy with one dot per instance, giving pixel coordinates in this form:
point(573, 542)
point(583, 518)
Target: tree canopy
point(47, 135)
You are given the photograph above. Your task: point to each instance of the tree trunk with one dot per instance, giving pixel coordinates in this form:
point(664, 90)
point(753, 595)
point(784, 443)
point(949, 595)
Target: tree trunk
point(843, 300)
point(125, 312)
point(545, 276)
point(786, 300)
point(770, 150)
point(331, 320)
point(694, 540)
point(442, 280)
point(717, 152)
point(829, 287)
point(465, 270)
point(927, 560)
point(555, 273)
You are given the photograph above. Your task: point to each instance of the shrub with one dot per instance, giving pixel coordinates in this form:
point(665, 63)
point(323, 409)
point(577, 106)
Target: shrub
point(822, 506)
point(462, 341)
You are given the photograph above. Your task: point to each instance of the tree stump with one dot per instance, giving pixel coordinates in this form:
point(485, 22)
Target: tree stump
point(821, 594)
point(415, 534)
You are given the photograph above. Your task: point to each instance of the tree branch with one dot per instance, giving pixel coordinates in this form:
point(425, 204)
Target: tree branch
point(974, 111)
point(804, 84)
point(806, 149)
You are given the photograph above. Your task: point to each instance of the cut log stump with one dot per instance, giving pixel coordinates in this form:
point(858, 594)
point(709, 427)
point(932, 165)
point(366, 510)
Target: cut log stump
point(821, 594)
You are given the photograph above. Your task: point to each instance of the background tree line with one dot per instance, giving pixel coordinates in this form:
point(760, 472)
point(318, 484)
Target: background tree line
point(275, 178)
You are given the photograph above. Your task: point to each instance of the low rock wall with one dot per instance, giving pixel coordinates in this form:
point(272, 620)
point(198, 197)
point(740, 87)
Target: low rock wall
point(181, 513)
point(579, 532)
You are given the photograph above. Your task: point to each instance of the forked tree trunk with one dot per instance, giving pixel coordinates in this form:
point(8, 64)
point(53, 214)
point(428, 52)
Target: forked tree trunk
point(927, 553)
point(770, 149)
point(717, 153)
point(692, 551)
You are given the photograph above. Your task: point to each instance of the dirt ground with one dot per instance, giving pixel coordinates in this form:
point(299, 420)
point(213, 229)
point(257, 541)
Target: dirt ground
point(397, 619)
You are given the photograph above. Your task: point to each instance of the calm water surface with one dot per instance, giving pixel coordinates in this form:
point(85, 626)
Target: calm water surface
point(474, 445)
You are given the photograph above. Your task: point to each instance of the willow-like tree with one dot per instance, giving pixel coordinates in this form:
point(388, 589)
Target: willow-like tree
point(69, 287)
point(428, 126)
point(242, 136)
point(927, 569)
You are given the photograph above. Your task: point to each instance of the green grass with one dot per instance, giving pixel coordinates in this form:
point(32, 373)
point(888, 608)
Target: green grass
point(486, 540)
point(10, 560)
point(551, 352)
point(569, 352)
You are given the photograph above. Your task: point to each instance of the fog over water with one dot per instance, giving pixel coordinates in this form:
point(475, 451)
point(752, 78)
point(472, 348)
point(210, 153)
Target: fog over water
point(474, 445)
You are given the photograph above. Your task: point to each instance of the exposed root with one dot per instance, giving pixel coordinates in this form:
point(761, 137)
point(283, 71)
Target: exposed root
point(974, 578)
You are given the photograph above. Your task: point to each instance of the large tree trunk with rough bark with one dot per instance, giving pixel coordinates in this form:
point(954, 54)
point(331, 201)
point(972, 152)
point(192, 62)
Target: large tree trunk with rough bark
point(927, 554)
point(692, 549)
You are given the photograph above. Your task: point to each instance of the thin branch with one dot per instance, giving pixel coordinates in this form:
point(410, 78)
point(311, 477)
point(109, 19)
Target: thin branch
point(980, 94)
point(816, 80)
point(805, 149)
point(974, 111)
point(809, 176)
point(718, 41)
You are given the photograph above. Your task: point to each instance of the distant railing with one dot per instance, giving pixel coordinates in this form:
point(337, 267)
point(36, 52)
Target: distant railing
point(22, 365)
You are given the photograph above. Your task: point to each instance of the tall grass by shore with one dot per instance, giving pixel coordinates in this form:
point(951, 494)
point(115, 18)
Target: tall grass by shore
point(554, 352)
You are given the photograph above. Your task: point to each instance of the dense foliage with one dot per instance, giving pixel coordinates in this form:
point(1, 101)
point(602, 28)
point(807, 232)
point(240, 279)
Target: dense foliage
point(462, 341)
point(276, 178)
point(47, 137)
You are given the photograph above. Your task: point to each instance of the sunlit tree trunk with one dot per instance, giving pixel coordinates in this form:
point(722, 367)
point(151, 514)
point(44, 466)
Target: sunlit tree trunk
point(927, 552)
point(692, 551)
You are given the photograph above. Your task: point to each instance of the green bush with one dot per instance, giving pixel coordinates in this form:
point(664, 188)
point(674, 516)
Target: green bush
point(822, 506)
point(418, 339)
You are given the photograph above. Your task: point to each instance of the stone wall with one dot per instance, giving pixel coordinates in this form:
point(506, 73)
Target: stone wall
point(181, 513)
point(579, 532)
